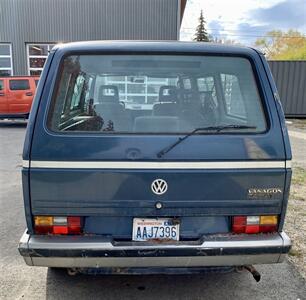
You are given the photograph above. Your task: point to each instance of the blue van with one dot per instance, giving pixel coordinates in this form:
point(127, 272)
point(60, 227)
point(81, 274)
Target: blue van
point(145, 157)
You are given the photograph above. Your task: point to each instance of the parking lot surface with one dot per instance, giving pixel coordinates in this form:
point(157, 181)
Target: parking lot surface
point(18, 281)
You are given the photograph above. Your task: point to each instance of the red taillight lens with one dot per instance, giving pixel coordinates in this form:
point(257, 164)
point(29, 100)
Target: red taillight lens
point(252, 229)
point(268, 228)
point(43, 229)
point(60, 229)
point(254, 224)
point(74, 225)
point(57, 225)
point(239, 224)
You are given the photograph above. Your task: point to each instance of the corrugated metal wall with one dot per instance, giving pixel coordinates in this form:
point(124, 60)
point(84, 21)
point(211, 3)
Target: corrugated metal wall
point(290, 79)
point(49, 21)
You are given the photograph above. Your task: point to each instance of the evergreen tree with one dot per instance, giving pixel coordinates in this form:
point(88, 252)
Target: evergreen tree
point(201, 34)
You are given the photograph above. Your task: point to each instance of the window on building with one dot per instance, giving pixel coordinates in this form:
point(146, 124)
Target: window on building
point(37, 55)
point(6, 65)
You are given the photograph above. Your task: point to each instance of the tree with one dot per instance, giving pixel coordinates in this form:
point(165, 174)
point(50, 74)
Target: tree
point(201, 34)
point(280, 45)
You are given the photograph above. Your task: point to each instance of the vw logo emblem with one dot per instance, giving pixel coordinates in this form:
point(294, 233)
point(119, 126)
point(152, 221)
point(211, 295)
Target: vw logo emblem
point(159, 186)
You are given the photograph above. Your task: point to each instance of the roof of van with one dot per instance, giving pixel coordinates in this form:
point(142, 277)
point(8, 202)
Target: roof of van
point(153, 46)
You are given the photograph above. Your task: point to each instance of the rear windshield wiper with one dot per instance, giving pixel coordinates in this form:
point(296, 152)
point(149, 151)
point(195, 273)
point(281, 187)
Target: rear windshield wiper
point(216, 129)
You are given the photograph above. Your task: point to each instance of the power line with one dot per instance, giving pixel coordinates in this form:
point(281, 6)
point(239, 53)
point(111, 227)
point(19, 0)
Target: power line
point(235, 30)
point(251, 35)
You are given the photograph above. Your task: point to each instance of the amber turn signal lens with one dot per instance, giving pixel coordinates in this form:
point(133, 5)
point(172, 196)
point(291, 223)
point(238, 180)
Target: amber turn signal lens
point(43, 221)
point(268, 220)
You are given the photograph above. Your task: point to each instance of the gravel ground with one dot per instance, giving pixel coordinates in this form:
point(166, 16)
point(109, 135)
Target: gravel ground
point(295, 224)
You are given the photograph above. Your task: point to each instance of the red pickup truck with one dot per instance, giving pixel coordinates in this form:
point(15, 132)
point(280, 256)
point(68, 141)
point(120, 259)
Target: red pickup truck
point(16, 96)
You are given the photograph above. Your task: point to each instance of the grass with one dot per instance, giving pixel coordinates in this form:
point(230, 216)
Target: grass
point(295, 252)
point(299, 176)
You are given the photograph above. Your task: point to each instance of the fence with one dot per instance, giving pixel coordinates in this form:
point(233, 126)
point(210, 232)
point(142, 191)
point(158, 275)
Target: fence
point(290, 79)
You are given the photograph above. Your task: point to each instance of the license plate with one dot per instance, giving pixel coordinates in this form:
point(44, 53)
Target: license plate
point(155, 229)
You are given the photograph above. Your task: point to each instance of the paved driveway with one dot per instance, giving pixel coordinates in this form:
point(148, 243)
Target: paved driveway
point(18, 281)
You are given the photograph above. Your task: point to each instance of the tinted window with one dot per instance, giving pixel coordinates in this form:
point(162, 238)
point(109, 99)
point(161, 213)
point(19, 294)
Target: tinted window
point(19, 84)
point(155, 94)
point(1, 85)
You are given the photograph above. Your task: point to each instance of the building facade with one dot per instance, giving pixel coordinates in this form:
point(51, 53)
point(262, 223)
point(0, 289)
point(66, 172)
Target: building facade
point(30, 28)
point(290, 79)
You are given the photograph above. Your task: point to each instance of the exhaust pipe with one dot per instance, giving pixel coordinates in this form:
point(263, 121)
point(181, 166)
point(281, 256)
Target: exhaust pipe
point(256, 275)
point(73, 271)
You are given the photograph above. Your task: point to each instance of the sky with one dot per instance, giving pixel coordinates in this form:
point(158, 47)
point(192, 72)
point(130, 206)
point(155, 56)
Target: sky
point(243, 20)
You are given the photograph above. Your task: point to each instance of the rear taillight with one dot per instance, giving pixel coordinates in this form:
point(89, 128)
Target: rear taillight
point(254, 224)
point(57, 225)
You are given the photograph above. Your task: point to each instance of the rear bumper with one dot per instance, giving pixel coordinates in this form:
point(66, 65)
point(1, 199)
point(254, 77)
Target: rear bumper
point(100, 252)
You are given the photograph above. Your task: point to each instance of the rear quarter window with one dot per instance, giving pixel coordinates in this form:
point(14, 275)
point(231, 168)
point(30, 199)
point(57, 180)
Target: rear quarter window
point(19, 84)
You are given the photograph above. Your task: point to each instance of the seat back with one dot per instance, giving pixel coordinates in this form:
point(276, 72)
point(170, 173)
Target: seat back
point(167, 105)
point(110, 110)
point(156, 124)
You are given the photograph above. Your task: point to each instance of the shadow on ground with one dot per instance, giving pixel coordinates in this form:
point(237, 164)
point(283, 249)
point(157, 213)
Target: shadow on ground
point(13, 123)
point(59, 284)
point(208, 286)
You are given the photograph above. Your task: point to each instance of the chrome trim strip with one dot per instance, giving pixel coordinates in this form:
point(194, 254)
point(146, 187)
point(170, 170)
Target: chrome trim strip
point(288, 164)
point(25, 163)
point(155, 165)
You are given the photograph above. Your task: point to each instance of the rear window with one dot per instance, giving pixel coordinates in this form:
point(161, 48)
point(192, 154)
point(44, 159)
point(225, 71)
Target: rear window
point(19, 84)
point(155, 94)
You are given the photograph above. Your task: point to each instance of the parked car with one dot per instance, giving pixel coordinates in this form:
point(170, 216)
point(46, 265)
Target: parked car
point(155, 157)
point(16, 96)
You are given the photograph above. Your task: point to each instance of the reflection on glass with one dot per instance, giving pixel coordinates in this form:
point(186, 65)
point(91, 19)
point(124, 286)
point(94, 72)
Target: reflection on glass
point(37, 62)
point(5, 62)
point(5, 50)
point(38, 50)
point(35, 72)
point(5, 73)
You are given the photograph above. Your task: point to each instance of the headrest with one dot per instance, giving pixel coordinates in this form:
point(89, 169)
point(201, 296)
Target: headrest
point(168, 93)
point(108, 93)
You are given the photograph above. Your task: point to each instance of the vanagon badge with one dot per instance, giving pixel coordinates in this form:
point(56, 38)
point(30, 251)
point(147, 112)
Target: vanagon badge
point(159, 186)
point(264, 193)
